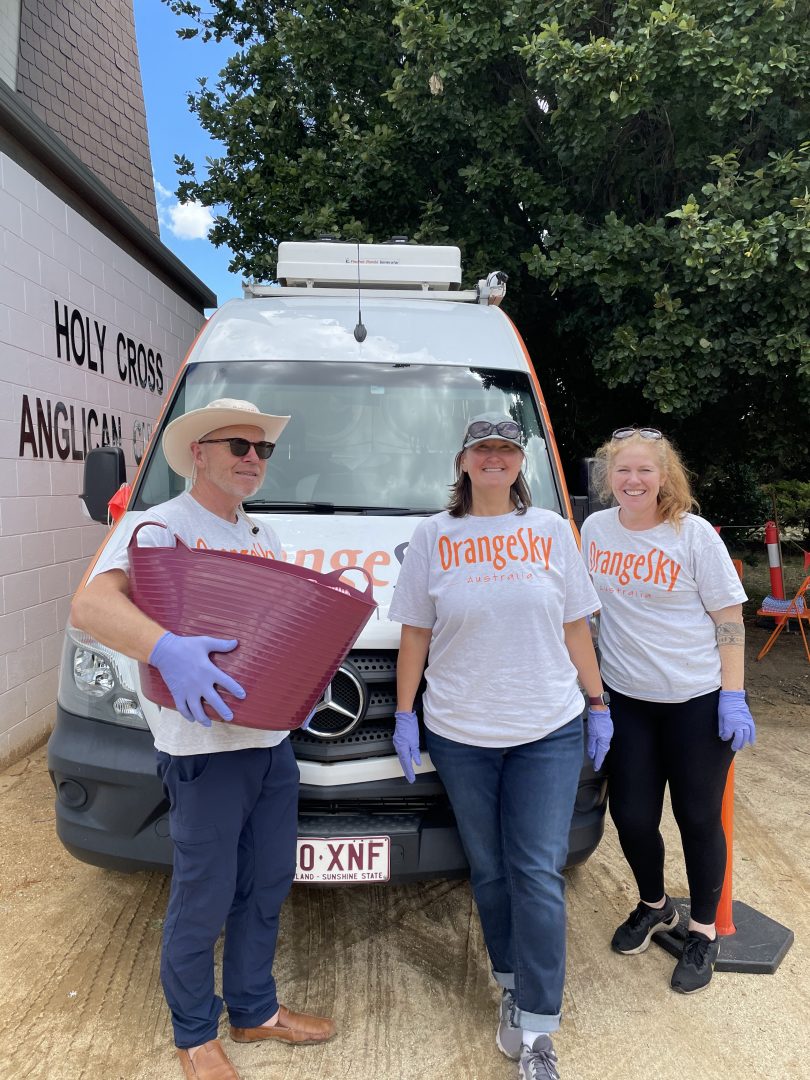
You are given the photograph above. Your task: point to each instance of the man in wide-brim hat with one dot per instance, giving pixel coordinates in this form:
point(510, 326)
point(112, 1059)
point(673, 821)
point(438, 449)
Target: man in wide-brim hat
point(233, 791)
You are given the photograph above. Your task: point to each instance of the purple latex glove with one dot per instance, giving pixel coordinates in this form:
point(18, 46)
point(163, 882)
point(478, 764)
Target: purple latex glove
point(406, 742)
point(600, 732)
point(191, 675)
point(735, 719)
point(308, 721)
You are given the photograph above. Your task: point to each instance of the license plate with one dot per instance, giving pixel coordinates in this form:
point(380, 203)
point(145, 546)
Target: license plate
point(344, 859)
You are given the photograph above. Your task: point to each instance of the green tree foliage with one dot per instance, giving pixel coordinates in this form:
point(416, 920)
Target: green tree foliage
point(790, 500)
point(640, 169)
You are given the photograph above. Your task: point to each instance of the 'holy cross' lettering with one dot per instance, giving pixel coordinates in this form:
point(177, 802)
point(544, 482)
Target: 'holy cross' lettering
point(82, 341)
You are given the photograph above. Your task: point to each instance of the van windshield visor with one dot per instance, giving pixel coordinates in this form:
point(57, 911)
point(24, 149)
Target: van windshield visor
point(362, 438)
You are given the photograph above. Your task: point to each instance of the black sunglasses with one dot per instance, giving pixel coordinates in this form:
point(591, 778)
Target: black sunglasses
point(240, 447)
point(643, 432)
point(481, 429)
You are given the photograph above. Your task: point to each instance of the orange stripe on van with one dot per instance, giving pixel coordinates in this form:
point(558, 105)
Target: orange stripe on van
point(155, 430)
point(555, 452)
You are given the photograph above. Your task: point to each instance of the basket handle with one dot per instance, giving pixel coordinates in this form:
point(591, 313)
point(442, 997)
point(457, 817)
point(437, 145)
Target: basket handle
point(160, 525)
point(336, 575)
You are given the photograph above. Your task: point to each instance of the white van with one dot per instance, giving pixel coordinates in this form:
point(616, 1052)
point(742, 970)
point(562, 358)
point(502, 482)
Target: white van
point(380, 358)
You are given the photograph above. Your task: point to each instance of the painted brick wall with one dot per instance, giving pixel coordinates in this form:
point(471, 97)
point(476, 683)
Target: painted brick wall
point(57, 270)
point(79, 71)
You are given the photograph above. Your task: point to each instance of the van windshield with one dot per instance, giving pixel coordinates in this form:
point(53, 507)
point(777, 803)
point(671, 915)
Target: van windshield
point(362, 437)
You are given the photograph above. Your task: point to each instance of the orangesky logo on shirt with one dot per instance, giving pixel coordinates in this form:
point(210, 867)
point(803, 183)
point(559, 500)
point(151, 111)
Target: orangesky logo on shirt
point(628, 566)
point(256, 549)
point(524, 545)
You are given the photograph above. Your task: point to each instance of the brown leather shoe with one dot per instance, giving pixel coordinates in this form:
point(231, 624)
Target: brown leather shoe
point(292, 1027)
point(210, 1063)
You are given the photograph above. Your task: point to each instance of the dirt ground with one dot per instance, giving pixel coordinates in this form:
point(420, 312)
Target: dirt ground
point(404, 970)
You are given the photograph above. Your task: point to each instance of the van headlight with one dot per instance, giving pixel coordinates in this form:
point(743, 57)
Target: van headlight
point(94, 682)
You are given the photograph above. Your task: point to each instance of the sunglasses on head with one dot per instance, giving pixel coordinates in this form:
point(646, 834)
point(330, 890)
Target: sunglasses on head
point(643, 432)
point(240, 447)
point(480, 429)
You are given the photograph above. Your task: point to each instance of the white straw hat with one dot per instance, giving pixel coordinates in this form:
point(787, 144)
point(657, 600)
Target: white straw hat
point(224, 412)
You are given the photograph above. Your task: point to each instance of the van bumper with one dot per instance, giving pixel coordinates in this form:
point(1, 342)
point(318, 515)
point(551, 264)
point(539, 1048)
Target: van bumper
point(111, 810)
point(110, 806)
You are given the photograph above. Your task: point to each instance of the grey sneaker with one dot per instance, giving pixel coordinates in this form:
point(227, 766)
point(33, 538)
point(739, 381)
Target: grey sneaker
point(538, 1062)
point(694, 970)
point(509, 1036)
point(633, 936)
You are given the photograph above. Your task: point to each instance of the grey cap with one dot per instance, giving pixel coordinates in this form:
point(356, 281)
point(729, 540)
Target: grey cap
point(493, 418)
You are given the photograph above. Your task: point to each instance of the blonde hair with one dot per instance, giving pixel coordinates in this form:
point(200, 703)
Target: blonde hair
point(675, 499)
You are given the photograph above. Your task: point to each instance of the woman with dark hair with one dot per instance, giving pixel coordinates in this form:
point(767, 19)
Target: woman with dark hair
point(494, 596)
point(672, 643)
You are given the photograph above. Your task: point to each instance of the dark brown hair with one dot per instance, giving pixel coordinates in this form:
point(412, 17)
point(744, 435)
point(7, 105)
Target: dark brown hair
point(460, 504)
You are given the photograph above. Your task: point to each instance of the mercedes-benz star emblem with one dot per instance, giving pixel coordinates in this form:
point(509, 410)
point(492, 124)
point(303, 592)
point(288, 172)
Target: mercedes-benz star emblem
point(341, 708)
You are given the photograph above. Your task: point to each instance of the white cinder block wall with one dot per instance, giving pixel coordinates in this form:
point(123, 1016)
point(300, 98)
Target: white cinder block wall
point(90, 343)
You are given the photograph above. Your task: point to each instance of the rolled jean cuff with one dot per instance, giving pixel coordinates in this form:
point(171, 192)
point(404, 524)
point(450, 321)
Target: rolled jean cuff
point(504, 979)
point(537, 1021)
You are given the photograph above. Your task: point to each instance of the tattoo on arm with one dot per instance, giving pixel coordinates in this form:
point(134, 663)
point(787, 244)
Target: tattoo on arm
point(730, 633)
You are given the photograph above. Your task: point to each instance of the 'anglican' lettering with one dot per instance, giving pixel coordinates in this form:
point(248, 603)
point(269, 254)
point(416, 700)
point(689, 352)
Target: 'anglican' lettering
point(51, 430)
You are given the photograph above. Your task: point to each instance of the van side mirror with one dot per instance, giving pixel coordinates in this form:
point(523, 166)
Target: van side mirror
point(587, 475)
point(579, 508)
point(105, 471)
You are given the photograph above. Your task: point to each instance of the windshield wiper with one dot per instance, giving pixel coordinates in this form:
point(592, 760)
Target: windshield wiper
point(284, 504)
point(393, 511)
point(333, 508)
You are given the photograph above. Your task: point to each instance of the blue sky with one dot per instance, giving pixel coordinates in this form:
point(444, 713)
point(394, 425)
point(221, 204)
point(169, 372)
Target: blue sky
point(170, 68)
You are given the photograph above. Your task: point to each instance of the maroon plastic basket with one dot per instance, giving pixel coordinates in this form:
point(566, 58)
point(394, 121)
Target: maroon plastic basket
point(294, 625)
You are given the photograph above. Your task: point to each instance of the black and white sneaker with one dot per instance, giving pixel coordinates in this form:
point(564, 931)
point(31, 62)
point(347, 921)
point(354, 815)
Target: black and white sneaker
point(694, 970)
point(538, 1062)
point(633, 936)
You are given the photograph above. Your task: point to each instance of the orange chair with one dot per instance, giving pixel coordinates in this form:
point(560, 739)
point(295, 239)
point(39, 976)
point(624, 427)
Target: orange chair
point(793, 610)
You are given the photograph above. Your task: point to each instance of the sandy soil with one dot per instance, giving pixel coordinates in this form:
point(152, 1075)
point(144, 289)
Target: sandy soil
point(404, 969)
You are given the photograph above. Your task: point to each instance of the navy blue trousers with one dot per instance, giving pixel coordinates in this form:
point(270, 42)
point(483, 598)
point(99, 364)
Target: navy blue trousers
point(233, 820)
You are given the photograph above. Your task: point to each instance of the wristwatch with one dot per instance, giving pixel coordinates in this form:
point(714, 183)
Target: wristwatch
point(602, 699)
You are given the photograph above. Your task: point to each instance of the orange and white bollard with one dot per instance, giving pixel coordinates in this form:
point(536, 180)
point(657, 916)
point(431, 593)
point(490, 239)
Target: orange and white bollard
point(725, 911)
point(774, 560)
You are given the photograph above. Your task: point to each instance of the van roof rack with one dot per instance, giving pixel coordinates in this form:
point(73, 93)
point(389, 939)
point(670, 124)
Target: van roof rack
point(392, 265)
point(397, 268)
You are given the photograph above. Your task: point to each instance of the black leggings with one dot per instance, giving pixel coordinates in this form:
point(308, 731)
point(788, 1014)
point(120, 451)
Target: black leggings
point(654, 744)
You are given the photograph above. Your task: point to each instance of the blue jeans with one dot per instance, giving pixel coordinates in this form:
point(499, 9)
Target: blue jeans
point(514, 806)
point(233, 820)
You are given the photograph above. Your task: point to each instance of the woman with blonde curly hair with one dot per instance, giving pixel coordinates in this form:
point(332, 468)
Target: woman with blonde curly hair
point(672, 642)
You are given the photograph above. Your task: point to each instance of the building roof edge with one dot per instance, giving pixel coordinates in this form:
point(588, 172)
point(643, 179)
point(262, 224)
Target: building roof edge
point(23, 123)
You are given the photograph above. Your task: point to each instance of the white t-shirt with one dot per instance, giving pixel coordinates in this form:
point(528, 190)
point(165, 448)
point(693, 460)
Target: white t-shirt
point(657, 588)
point(495, 591)
point(198, 528)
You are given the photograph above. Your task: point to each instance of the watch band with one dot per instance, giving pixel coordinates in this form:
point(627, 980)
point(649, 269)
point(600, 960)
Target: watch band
point(601, 699)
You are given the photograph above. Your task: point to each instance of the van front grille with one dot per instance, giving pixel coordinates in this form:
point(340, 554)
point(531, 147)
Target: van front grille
point(356, 717)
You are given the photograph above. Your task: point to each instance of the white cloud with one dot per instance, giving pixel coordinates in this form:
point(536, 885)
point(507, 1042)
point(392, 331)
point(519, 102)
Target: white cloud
point(190, 221)
point(186, 221)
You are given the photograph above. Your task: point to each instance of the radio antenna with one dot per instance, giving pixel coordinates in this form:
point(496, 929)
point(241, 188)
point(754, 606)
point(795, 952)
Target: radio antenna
point(359, 330)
